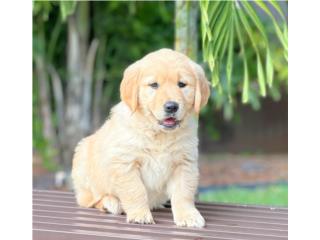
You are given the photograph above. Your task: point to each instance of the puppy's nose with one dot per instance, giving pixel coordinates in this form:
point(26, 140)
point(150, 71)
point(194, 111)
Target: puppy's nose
point(171, 107)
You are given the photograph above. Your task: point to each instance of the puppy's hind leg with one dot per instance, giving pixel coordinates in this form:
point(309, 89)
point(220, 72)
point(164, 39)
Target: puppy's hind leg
point(85, 198)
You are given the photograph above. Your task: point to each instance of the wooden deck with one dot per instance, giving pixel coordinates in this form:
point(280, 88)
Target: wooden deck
point(56, 216)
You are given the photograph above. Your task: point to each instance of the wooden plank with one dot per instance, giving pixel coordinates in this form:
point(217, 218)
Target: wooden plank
point(160, 225)
point(69, 201)
point(57, 216)
point(70, 195)
point(158, 213)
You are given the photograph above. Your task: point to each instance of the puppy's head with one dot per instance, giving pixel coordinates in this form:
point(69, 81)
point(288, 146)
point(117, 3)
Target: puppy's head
point(165, 86)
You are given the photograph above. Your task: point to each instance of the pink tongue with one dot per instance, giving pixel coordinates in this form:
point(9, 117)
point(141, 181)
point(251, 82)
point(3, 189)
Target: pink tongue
point(169, 121)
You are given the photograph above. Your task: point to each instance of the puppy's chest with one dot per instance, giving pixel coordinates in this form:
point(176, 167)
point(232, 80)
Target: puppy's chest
point(157, 167)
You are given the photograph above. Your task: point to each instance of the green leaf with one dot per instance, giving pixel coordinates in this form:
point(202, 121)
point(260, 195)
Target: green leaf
point(275, 94)
point(212, 10)
point(221, 39)
point(278, 8)
point(205, 53)
point(285, 34)
point(286, 56)
point(264, 7)
point(261, 78)
point(254, 101)
point(255, 19)
point(67, 8)
point(230, 58)
point(42, 9)
point(205, 29)
point(247, 27)
point(211, 62)
point(224, 44)
point(269, 68)
point(217, 21)
point(205, 20)
point(215, 80)
point(237, 23)
point(281, 35)
point(245, 88)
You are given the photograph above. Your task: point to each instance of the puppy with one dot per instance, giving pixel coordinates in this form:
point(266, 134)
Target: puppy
point(146, 152)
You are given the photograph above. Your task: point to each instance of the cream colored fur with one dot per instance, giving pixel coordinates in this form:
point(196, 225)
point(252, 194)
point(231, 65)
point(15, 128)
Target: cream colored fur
point(133, 164)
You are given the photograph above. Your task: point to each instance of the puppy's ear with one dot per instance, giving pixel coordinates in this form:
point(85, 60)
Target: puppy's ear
point(202, 88)
point(129, 86)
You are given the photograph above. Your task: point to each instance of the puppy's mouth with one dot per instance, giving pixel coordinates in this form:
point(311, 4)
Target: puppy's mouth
point(169, 122)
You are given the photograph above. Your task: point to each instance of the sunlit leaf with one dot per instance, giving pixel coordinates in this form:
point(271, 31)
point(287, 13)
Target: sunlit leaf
point(212, 11)
point(245, 88)
point(235, 24)
point(247, 27)
point(217, 22)
point(222, 36)
point(276, 5)
point(269, 68)
point(280, 34)
point(261, 78)
point(255, 19)
point(230, 58)
point(67, 8)
point(215, 76)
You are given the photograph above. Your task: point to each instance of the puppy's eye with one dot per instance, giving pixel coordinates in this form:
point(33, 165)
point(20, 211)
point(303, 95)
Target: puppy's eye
point(181, 84)
point(154, 85)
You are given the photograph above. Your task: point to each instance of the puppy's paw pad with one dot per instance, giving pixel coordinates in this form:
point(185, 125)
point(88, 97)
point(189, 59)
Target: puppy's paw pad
point(142, 218)
point(191, 219)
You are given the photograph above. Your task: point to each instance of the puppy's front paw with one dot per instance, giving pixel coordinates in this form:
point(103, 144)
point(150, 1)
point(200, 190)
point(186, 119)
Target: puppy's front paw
point(189, 218)
point(143, 217)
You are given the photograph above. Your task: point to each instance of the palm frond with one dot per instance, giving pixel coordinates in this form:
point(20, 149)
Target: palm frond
point(226, 24)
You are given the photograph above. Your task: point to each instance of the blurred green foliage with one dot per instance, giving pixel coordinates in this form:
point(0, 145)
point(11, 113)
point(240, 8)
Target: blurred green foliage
point(275, 195)
point(38, 141)
point(127, 31)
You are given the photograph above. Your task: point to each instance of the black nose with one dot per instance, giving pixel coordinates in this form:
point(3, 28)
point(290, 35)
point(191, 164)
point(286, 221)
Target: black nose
point(171, 107)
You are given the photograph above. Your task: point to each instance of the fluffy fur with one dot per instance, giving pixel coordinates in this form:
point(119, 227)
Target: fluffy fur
point(133, 163)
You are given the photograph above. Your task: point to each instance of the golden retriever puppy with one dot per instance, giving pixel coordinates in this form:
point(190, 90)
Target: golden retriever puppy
point(146, 152)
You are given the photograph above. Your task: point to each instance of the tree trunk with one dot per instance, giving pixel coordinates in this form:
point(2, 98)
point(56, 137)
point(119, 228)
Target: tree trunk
point(45, 108)
point(98, 86)
point(76, 57)
point(87, 87)
point(186, 31)
point(59, 108)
